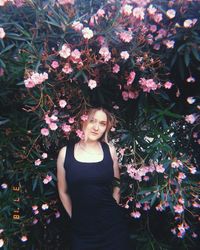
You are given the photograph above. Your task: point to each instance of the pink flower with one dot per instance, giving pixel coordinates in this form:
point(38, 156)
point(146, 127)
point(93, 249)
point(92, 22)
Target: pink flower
point(35, 221)
point(67, 69)
point(174, 164)
point(63, 2)
point(124, 55)
point(39, 78)
point(80, 133)
point(190, 79)
point(178, 208)
point(159, 207)
point(84, 117)
point(156, 46)
point(191, 100)
point(171, 13)
point(47, 179)
point(159, 168)
point(38, 162)
point(138, 13)
point(34, 207)
point(1, 72)
point(131, 78)
point(181, 230)
point(133, 95)
point(105, 53)
point(44, 155)
point(146, 178)
point(157, 18)
point(76, 54)
point(66, 128)
point(168, 85)
point(181, 200)
point(77, 26)
point(194, 235)
point(53, 126)
point(47, 119)
point(57, 214)
point(100, 13)
point(153, 28)
point(188, 23)
point(181, 176)
point(138, 205)
point(169, 44)
point(35, 79)
point(173, 230)
point(147, 85)
point(93, 19)
point(62, 103)
point(2, 33)
point(65, 51)
point(125, 95)
point(54, 118)
point(190, 118)
point(126, 36)
point(92, 84)
point(54, 64)
point(18, 3)
point(87, 33)
point(116, 68)
point(146, 206)
point(45, 206)
point(24, 238)
point(36, 211)
point(101, 40)
point(71, 120)
point(151, 10)
point(126, 10)
point(195, 204)
point(136, 214)
point(192, 169)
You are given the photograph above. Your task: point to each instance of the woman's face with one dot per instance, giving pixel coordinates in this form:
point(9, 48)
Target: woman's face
point(95, 126)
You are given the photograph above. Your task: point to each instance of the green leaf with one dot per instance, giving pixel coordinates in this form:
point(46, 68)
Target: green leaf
point(150, 189)
point(153, 199)
point(187, 57)
point(35, 182)
point(7, 48)
point(196, 54)
point(147, 198)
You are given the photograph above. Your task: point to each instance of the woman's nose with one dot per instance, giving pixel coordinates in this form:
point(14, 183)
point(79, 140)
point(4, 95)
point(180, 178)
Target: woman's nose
point(96, 126)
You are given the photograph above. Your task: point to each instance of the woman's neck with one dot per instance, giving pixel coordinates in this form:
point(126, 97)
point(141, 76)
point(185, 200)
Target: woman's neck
point(89, 144)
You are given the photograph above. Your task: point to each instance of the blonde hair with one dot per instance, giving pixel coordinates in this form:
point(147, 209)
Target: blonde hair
point(111, 121)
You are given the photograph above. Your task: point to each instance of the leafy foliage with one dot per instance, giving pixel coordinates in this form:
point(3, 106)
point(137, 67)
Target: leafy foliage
point(140, 60)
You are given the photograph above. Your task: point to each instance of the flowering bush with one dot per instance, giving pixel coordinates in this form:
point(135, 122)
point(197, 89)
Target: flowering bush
point(136, 58)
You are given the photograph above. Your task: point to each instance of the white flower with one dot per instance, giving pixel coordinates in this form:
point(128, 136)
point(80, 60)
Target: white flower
point(1, 242)
point(45, 206)
point(87, 33)
point(92, 84)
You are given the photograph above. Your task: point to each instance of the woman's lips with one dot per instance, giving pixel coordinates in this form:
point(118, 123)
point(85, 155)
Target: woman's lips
point(94, 133)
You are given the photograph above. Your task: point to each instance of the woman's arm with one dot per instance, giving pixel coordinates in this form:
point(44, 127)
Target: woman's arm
point(62, 184)
point(116, 190)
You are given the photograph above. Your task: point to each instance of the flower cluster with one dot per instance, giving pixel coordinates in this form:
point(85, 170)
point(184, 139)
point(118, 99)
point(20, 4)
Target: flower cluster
point(35, 79)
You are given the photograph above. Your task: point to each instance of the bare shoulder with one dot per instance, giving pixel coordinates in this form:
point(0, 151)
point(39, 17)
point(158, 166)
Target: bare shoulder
point(61, 155)
point(113, 151)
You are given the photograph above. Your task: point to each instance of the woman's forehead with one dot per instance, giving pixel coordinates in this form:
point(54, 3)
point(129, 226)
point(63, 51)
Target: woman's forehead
point(99, 115)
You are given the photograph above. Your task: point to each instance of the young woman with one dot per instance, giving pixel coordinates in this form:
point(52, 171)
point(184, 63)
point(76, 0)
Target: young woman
point(85, 172)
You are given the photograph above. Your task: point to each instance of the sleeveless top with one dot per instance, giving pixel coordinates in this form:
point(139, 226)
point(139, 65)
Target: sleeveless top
point(98, 222)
